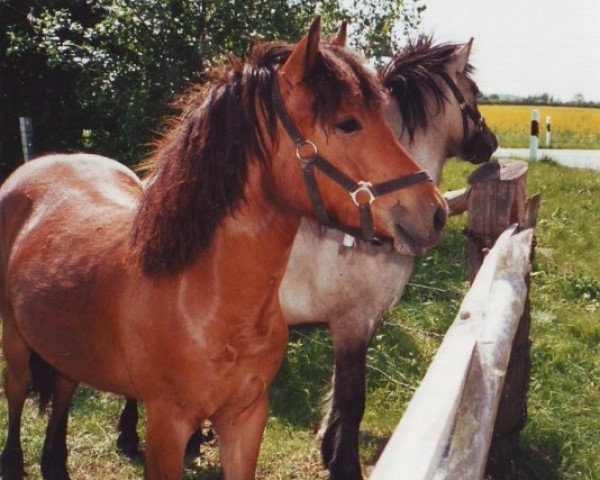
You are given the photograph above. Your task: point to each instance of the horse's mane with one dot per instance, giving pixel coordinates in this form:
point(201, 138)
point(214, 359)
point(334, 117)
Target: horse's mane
point(198, 171)
point(411, 73)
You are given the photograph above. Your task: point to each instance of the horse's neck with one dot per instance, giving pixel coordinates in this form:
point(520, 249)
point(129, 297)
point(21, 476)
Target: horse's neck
point(249, 251)
point(429, 151)
point(428, 148)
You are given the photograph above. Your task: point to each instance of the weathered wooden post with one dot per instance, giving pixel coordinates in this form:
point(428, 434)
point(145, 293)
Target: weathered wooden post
point(534, 136)
point(26, 128)
point(498, 198)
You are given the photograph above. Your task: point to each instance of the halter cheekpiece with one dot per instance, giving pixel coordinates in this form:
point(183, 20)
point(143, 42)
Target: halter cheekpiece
point(362, 193)
point(466, 109)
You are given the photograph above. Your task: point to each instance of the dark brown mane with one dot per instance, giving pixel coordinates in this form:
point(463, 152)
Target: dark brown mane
point(411, 73)
point(198, 171)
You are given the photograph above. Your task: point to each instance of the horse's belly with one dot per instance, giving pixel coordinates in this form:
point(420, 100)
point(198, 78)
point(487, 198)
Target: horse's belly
point(70, 320)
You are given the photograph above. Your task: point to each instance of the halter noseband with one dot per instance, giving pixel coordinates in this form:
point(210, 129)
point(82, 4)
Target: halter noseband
point(309, 160)
point(466, 109)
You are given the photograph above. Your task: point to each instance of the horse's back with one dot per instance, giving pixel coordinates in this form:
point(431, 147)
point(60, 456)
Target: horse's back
point(76, 185)
point(63, 196)
point(50, 177)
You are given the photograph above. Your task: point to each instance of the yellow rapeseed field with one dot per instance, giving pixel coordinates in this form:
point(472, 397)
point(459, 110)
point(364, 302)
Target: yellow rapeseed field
point(572, 127)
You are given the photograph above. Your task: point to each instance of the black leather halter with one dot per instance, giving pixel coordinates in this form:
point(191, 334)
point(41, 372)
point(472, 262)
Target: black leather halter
point(466, 109)
point(308, 155)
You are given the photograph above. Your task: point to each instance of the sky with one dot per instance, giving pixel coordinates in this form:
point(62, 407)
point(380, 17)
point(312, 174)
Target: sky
point(525, 47)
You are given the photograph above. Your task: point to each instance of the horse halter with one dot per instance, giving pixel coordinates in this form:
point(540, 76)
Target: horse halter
point(466, 109)
point(311, 160)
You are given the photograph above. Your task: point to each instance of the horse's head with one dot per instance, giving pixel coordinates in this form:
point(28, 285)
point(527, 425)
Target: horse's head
point(336, 157)
point(472, 140)
point(436, 100)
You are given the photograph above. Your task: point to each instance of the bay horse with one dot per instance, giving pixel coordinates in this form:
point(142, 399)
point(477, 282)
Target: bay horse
point(168, 293)
point(434, 113)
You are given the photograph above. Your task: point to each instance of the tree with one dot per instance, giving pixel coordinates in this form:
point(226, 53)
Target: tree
point(109, 67)
point(579, 99)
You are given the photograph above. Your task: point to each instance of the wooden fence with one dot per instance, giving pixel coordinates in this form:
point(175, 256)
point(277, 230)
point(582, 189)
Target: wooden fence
point(448, 426)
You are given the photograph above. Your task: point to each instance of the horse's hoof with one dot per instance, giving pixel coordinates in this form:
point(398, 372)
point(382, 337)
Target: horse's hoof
point(345, 473)
point(10, 471)
point(55, 473)
point(128, 447)
point(12, 474)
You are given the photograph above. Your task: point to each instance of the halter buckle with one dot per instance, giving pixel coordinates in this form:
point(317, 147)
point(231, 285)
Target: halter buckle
point(363, 187)
point(479, 124)
point(306, 158)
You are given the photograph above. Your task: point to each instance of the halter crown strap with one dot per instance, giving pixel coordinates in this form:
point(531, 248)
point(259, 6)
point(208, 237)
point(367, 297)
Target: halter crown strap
point(290, 126)
point(313, 160)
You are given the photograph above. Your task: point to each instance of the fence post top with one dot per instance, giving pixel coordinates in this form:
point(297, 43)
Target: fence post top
point(498, 170)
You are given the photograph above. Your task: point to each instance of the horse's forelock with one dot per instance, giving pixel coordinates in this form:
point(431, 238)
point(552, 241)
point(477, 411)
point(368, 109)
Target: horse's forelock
point(411, 74)
point(341, 74)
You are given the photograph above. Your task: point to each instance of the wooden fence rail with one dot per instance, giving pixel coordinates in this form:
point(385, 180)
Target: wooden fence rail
point(446, 430)
point(476, 386)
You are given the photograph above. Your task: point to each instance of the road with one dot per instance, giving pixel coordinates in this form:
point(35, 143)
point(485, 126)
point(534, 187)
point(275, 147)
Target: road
point(570, 158)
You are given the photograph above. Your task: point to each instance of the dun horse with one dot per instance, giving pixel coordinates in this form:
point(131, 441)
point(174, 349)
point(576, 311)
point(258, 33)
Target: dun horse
point(434, 113)
point(169, 294)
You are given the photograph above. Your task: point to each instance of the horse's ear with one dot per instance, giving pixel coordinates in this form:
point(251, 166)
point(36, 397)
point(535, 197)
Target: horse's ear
point(339, 39)
point(303, 57)
point(235, 62)
point(460, 57)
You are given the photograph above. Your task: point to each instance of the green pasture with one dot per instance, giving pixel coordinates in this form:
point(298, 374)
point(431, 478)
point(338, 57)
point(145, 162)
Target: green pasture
point(562, 437)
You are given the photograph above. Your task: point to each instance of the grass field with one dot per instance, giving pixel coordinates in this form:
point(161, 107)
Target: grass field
point(561, 440)
point(572, 127)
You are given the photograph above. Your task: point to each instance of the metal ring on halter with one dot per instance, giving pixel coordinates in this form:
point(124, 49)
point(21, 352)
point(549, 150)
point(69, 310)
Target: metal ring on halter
point(308, 157)
point(462, 105)
point(364, 187)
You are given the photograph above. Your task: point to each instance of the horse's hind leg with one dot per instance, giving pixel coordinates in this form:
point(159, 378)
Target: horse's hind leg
point(192, 449)
point(17, 378)
point(128, 440)
point(54, 456)
point(240, 436)
point(339, 447)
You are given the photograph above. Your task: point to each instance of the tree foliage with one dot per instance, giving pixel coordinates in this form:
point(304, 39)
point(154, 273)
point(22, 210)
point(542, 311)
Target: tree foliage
point(107, 68)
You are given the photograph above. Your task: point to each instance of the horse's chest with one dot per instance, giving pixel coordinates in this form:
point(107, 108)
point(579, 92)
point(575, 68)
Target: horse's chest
point(345, 282)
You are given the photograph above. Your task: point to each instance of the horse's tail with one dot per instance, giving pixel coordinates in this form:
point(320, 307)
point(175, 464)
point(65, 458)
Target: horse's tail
point(43, 378)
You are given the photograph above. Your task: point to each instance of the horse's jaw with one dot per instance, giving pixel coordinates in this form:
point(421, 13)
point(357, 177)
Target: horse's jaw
point(405, 244)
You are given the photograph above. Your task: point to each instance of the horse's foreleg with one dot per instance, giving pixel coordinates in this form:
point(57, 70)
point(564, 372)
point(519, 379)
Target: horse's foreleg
point(54, 456)
point(240, 436)
point(17, 378)
point(339, 447)
point(128, 440)
point(167, 432)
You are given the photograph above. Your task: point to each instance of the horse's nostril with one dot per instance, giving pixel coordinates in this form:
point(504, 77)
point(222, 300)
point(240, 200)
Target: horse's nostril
point(439, 219)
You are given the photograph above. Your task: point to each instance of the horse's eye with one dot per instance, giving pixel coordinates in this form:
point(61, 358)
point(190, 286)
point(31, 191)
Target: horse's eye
point(349, 126)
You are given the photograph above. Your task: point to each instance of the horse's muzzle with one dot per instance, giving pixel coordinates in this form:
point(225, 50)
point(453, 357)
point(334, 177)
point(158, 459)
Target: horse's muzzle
point(413, 236)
